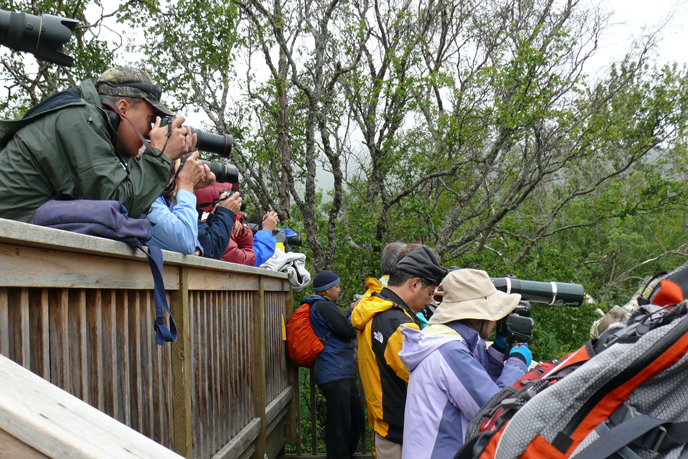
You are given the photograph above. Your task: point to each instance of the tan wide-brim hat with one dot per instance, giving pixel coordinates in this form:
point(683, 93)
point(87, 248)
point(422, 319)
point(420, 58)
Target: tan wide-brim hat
point(470, 294)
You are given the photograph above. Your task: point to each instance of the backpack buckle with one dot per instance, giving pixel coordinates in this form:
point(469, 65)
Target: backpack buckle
point(657, 437)
point(510, 404)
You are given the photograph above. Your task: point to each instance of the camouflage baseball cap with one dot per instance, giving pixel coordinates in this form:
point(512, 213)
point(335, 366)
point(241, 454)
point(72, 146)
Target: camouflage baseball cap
point(131, 82)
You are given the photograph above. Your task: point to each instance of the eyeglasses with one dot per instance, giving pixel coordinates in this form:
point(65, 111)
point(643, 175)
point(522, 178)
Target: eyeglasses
point(152, 89)
point(425, 285)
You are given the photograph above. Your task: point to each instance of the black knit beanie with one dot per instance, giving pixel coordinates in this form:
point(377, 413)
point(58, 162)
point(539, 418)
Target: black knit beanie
point(323, 280)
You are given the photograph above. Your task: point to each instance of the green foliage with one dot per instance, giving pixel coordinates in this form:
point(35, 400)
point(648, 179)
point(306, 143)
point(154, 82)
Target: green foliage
point(473, 127)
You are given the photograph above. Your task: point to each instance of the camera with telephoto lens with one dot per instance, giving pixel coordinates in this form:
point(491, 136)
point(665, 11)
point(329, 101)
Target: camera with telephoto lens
point(220, 144)
point(43, 36)
point(224, 173)
point(288, 237)
point(518, 325)
point(213, 143)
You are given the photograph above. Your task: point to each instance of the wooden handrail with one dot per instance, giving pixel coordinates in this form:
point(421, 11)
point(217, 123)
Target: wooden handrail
point(78, 311)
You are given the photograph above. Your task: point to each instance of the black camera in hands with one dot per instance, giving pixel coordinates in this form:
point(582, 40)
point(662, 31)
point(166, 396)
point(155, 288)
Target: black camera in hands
point(517, 326)
point(229, 193)
point(213, 143)
point(288, 238)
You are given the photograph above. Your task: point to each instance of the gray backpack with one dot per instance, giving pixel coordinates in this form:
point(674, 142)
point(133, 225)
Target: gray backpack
point(629, 400)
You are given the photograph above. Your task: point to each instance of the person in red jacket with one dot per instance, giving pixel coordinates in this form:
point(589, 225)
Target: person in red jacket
point(240, 248)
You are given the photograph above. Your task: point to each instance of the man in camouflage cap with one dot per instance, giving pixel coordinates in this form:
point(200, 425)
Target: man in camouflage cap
point(133, 83)
point(84, 143)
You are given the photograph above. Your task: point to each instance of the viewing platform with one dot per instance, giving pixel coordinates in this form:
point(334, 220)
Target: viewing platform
point(78, 311)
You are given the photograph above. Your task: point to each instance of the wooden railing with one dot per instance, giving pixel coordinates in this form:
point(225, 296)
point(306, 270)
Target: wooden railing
point(78, 311)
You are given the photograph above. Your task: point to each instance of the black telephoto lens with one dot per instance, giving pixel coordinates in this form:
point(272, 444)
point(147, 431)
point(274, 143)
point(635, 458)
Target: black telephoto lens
point(43, 35)
point(224, 173)
point(294, 240)
point(220, 144)
point(212, 143)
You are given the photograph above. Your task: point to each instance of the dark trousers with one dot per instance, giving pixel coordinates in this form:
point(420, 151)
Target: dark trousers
point(345, 419)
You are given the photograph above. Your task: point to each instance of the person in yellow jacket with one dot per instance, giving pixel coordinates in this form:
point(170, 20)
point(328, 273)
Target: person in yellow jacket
point(378, 319)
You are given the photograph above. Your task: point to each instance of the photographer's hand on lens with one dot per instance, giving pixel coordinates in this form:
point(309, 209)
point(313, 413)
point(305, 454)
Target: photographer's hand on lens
point(270, 221)
point(179, 142)
point(192, 173)
point(438, 296)
point(522, 352)
point(232, 203)
point(209, 178)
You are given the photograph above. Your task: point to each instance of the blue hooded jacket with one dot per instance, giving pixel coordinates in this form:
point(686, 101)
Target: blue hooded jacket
point(336, 361)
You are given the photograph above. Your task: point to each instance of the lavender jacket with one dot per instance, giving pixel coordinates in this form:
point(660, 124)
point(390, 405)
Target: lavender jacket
point(452, 375)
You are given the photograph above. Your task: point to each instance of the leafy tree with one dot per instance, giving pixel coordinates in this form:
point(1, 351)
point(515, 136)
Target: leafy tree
point(290, 115)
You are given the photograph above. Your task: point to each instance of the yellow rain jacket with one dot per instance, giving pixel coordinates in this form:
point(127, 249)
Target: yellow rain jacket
point(384, 376)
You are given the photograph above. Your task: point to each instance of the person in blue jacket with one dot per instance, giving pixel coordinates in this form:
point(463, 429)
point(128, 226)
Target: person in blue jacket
point(335, 368)
point(215, 231)
point(263, 241)
point(174, 219)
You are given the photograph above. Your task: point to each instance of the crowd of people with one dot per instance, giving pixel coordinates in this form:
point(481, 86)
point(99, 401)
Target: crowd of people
point(425, 367)
point(104, 141)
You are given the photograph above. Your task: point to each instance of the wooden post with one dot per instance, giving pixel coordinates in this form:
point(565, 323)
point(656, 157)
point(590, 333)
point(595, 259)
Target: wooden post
point(314, 417)
point(182, 382)
point(294, 411)
point(259, 367)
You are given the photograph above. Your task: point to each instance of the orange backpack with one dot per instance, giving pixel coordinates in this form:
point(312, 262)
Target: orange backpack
point(303, 345)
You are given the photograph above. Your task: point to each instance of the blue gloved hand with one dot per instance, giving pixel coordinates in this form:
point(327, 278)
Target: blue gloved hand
point(499, 341)
point(522, 352)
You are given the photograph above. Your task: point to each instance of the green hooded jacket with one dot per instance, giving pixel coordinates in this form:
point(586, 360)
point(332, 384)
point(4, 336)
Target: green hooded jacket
point(68, 149)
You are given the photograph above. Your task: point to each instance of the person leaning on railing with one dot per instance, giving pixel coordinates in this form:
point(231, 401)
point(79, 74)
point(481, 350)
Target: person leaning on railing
point(215, 231)
point(264, 242)
point(76, 145)
point(174, 218)
point(240, 246)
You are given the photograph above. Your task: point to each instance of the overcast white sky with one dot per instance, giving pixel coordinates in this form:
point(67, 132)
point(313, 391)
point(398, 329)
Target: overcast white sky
point(632, 16)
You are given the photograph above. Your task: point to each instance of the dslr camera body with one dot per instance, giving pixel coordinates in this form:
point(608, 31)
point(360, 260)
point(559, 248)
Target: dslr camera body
point(517, 326)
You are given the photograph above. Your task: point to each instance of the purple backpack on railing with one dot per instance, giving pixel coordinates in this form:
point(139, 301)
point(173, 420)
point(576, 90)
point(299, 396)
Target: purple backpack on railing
point(109, 219)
